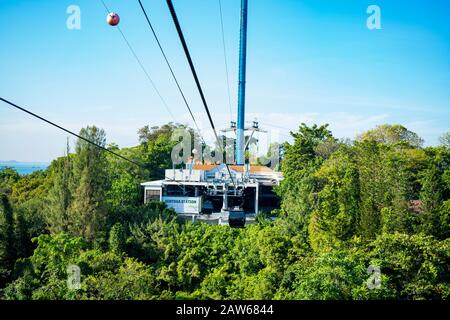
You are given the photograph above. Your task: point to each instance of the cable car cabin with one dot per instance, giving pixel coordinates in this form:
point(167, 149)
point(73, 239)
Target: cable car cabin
point(207, 193)
point(236, 219)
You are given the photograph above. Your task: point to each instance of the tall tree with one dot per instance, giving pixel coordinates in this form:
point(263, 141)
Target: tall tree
point(445, 139)
point(435, 193)
point(7, 252)
point(297, 190)
point(60, 194)
point(156, 145)
point(8, 176)
point(334, 219)
point(372, 178)
point(117, 238)
point(392, 135)
point(87, 213)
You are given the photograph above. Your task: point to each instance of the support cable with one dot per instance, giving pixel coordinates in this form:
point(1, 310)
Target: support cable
point(225, 59)
point(141, 165)
point(197, 81)
point(170, 68)
point(68, 131)
point(142, 67)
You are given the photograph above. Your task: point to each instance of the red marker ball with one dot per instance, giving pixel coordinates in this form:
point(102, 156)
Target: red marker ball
point(113, 19)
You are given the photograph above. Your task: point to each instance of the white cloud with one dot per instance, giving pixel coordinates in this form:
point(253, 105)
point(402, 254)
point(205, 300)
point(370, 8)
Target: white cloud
point(36, 141)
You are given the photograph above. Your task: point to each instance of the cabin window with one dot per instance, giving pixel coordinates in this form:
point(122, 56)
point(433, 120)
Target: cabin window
point(152, 195)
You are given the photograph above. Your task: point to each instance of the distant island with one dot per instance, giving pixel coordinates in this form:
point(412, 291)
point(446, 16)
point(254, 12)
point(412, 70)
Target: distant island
point(23, 167)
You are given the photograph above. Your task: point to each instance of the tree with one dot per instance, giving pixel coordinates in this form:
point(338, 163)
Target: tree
point(7, 252)
point(87, 212)
point(30, 222)
point(124, 192)
point(30, 186)
point(435, 193)
point(334, 219)
point(299, 185)
point(414, 266)
point(392, 135)
point(60, 193)
point(272, 158)
point(8, 177)
point(445, 139)
point(104, 275)
point(401, 193)
point(302, 153)
point(345, 207)
point(117, 238)
point(156, 147)
point(329, 276)
point(300, 157)
point(370, 158)
point(132, 280)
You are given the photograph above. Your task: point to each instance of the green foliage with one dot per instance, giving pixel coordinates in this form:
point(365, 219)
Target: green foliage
point(445, 139)
point(330, 276)
point(8, 177)
point(133, 280)
point(302, 154)
point(435, 194)
point(29, 187)
point(380, 201)
point(30, 222)
point(124, 192)
point(392, 135)
point(87, 212)
point(416, 266)
point(157, 145)
point(7, 252)
point(373, 187)
point(299, 185)
point(60, 194)
point(334, 221)
point(103, 275)
point(117, 238)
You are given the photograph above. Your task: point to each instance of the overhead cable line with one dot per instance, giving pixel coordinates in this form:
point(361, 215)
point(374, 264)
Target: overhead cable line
point(197, 81)
point(141, 165)
point(68, 131)
point(191, 64)
point(225, 58)
point(170, 68)
point(278, 127)
point(275, 126)
point(142, 67)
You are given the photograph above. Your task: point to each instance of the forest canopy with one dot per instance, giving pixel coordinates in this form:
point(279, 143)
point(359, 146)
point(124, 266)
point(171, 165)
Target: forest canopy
point(381, 202)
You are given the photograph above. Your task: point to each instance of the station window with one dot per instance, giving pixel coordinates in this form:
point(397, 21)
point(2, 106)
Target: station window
point(152, 195)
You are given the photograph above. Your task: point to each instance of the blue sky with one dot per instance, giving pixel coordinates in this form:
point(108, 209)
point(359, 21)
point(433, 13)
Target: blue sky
point(312, 61)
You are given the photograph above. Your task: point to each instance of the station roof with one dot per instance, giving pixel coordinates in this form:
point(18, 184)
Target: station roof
point(157, 183)
point(253, 169)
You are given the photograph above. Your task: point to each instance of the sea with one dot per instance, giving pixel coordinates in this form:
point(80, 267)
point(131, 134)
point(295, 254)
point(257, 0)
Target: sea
point(24, 168)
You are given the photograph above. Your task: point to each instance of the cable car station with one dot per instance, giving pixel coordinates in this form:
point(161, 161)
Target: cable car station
point(207, 193)
point(219, 193)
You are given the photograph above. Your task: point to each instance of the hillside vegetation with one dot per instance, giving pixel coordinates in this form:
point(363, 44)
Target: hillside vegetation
point(382, 200)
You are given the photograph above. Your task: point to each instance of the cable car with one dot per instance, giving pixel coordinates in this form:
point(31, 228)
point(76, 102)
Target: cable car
point(113, 19)
point(236, 218)
point(208, 207)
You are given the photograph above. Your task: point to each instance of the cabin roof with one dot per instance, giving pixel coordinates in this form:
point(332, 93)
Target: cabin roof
point(157, 183)
point(253, 169)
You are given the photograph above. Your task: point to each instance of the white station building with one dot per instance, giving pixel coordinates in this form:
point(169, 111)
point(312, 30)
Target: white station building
point(206, 192)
